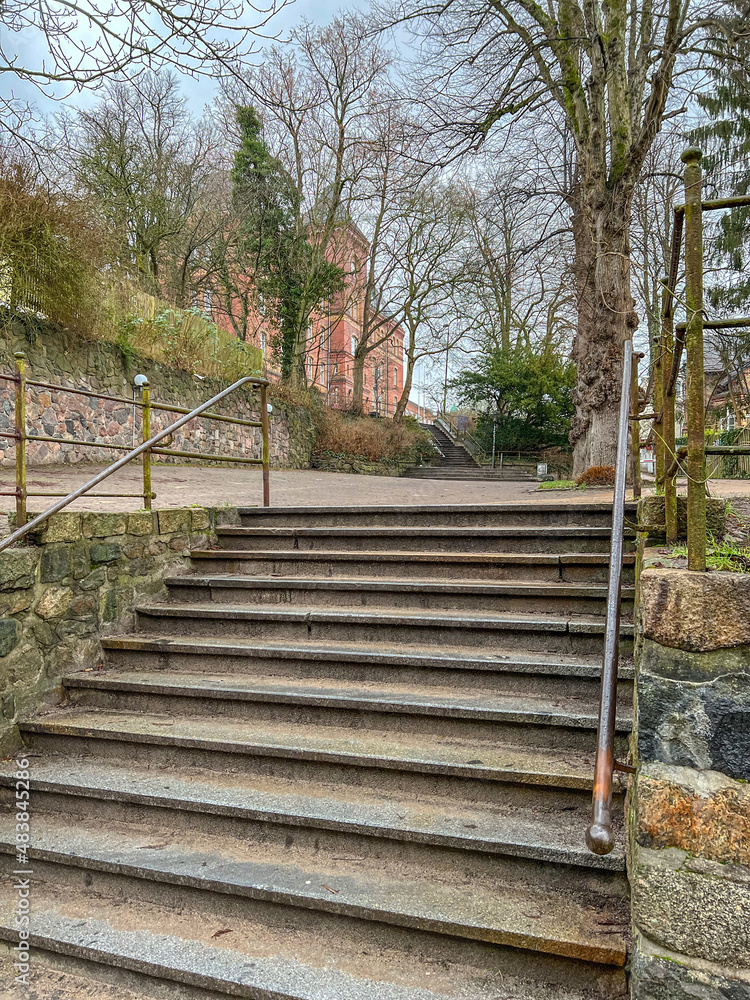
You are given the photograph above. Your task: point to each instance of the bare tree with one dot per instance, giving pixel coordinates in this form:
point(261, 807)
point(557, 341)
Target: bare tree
point(606, 73)
point(150, 167)
point(431, 241)
point(59, 46)
point(315, 98)
point(384, 208)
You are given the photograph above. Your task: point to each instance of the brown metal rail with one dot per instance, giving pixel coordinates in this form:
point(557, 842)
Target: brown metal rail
point(145, 449)
point(599, 836)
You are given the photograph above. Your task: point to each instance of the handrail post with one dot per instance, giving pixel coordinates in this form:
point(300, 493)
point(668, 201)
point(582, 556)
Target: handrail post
point(146, 421)
point(658, 401)
point(599, 835)
point(635, 430)
point(694, 382)
point(20, 418)
point(266, 450)
point(668, 418)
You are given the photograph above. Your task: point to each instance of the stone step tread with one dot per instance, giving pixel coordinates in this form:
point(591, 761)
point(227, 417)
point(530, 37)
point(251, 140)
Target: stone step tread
point(422, 752)
point(384, 655)
point(551, 834)
point(504, 588)
point(571, 710)
point(247, 958)
point(499, 508)
point(523, 904)
point(583, 624)
point(520, 559)
point(417, 531)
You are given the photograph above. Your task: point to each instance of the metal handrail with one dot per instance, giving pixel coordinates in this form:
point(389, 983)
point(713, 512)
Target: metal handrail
point(145, 447)
point(599, 836)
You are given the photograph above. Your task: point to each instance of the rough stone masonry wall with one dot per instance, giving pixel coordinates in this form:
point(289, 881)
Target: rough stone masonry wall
point(66, 359)
point(690, 804)
point(79, 581)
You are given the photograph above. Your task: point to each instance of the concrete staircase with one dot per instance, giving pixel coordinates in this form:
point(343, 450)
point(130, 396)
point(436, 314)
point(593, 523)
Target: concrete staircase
point(349, 759)
point(458, 463)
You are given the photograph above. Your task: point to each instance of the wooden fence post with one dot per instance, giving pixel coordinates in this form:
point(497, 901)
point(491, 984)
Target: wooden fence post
point(694, 382)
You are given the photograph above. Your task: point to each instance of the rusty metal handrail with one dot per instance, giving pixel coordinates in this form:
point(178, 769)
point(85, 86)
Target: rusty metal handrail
point(599, 836)
point(145, 448)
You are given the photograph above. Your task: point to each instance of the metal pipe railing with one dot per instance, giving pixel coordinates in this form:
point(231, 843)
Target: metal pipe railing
point(142, 449)
point(599, 836)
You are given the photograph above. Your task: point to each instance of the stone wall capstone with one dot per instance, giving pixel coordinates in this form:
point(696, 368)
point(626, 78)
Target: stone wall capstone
point(68, 360)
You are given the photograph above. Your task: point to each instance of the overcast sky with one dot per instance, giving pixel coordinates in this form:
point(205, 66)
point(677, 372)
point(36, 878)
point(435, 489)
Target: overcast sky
point(26, 46)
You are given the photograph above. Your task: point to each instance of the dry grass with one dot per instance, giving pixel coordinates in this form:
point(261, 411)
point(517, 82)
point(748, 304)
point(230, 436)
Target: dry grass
point(143, 325)
point(370, 438)
point(597, 475)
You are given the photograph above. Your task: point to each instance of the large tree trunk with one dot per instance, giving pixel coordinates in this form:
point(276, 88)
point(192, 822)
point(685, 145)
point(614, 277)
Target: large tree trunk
point(403, 401)
point(606, 317)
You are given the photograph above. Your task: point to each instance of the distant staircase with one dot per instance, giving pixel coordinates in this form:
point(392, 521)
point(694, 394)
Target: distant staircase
point(349, 759)
point(457, 462)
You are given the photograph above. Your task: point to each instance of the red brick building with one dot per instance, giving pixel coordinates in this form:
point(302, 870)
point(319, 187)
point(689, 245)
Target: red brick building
point(333, 335)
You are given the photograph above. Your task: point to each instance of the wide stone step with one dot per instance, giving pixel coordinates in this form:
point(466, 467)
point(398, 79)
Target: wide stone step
point(226, 744)
point(542, 514)
point(445, 595)
point(499, 671)
point(577, 567)
point(571, 635)
point(175, 935)
point(321, 701)
point(470, 473)
point(556, 540)
point(529, 822)
point(499, 900)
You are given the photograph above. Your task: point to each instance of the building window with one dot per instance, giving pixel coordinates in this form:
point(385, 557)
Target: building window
point(354, 344)
point(323, 375)
point(335, 369)
point(310, 370)
point(261, 304)
point(263, 341)
point(395, 378)
point(208, 300)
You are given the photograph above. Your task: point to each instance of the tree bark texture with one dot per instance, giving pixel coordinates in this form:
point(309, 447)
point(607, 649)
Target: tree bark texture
point(606, 318)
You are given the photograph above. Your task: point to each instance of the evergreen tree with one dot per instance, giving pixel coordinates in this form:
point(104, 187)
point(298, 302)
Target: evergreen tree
point(725, 141)
point(527, 395)
point(274, 242)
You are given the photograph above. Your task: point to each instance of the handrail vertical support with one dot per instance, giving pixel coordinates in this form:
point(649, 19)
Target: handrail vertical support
point(265, 445)
point(146, 411)
point(20, 418)
point(635, 429)
point(694, 382)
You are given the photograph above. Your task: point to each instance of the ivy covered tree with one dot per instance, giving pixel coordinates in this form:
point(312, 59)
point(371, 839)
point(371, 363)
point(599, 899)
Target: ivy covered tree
point(273, 244)
point(528, 395)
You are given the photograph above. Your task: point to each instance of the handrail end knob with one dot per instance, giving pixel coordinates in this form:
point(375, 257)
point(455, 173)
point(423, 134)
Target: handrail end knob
point(599, 839)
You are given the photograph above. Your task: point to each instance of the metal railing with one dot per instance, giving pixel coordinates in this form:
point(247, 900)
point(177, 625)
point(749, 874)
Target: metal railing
point(145, 450)
point(688, 220)
point(599, 836)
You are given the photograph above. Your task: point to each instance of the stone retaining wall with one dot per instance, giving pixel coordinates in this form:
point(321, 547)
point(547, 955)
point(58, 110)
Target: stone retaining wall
point(359, 466)
point(67, 360)
point(79, 581)
point(690, 803)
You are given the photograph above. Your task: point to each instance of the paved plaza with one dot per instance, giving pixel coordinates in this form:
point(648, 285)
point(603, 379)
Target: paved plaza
point(181, 485)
